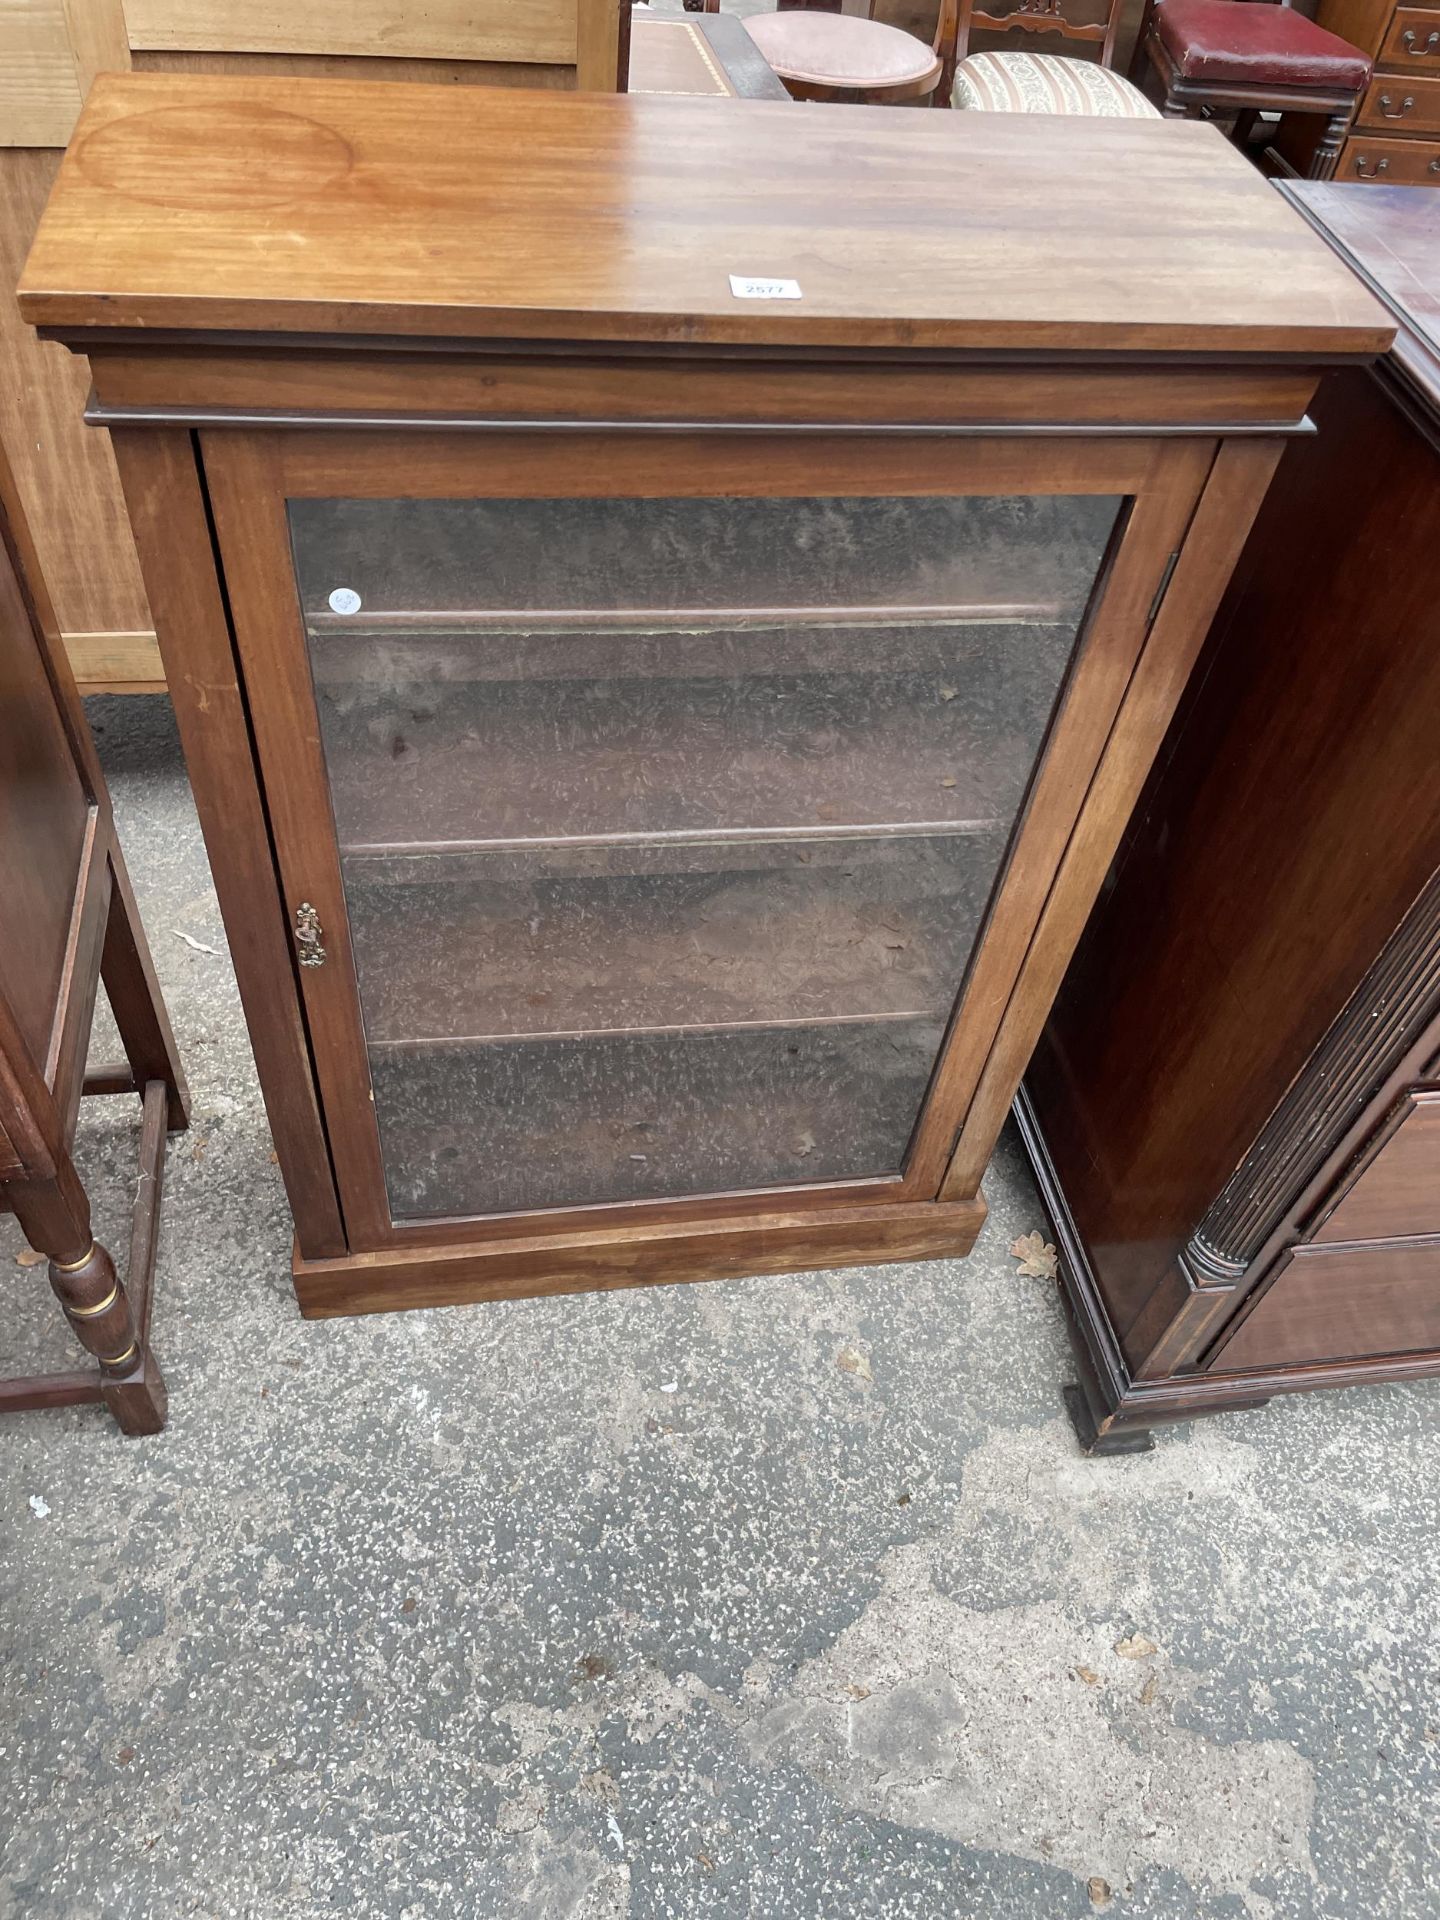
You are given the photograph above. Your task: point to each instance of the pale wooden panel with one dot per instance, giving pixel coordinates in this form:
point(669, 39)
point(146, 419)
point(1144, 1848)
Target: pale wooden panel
point(99, 42)
point(324, 66)
point(542, 31)
point(64, 470)
point(39, 93)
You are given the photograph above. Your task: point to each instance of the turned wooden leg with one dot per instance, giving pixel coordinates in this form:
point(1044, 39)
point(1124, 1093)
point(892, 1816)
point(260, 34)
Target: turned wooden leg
point(134, 995)
point(1327, 149)
point(96, 1305)
point(55, 1216)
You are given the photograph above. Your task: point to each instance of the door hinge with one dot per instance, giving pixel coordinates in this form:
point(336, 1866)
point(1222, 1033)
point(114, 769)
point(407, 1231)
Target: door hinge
point(1162, 589)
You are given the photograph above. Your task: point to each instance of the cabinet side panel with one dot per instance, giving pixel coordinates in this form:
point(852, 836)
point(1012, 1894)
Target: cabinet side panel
point(1206, 552)
point(1288, 826)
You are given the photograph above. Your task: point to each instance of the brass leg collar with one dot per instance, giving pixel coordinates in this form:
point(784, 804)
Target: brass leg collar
point(74, 1266)
point(93, 1313)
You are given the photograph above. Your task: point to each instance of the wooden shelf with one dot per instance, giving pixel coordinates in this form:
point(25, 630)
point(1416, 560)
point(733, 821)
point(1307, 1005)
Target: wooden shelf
point(468, 623)
point(573, 1123)
point(427, 765)
point(778, 557)
point(348, 656)
point(516, 948)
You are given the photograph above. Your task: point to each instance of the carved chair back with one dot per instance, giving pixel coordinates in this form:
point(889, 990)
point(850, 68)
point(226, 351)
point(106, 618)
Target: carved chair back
point(1031, 16)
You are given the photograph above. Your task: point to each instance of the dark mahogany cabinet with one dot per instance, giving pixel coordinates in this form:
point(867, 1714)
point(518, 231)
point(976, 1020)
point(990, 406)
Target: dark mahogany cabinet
point(1235, 1108)
point(665, 652)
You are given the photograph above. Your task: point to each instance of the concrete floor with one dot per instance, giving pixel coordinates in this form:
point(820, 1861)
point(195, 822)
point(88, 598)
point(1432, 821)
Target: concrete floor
point(774, 1598)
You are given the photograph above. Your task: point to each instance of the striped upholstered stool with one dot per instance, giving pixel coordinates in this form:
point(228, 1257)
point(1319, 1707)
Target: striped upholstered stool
point(1006, 82)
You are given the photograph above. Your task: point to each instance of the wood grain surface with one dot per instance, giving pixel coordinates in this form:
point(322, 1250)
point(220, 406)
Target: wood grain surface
point(295, 205)
point(1391, 236)
point(1341, 1303)
point(64, 474)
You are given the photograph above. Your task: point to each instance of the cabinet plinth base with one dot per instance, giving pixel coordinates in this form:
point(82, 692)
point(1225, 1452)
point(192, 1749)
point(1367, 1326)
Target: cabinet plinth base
point(1097, 1439)
point(599, 1259)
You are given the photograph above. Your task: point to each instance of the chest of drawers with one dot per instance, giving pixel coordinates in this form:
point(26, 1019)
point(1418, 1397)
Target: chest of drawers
point(1235, 1108)
point(1396, 136)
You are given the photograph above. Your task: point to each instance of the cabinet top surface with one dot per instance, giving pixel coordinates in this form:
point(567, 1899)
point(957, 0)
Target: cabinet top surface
point(1391, 235)
point(328, 206)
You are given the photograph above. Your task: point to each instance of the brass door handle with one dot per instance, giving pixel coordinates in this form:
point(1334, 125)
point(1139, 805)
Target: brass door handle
point(1432, 41)
point(307, 935)
point(1399, 112)
point(1380, 166)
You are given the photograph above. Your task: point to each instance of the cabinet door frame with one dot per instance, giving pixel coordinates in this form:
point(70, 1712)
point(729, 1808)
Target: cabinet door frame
point(250, 475)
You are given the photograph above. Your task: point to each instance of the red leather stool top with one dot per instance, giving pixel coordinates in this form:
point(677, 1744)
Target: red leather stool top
point(1239, 40)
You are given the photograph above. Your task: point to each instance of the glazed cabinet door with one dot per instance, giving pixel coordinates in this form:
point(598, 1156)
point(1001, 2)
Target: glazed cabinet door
point(644, 802)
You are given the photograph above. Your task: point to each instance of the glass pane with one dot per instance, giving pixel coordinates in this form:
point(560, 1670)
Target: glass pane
point(668, 827)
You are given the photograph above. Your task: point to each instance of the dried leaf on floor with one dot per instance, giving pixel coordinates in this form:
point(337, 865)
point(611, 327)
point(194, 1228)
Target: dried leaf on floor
point(1136, 1647)
point(1099, 1891)
point(1088, 1675)
point(851, 1360)
point(1038, 1259)
point(1149, 1690)
point(28, 1257)
point(855, 1692)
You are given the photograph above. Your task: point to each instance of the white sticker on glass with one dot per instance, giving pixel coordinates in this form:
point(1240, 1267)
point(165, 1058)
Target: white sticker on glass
point(344, 600)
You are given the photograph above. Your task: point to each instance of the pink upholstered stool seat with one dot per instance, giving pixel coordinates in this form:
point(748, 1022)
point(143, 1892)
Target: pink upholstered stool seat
point(841, 50)
point(1237, 40)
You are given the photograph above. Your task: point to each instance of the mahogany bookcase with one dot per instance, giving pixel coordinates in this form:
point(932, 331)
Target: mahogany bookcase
point(669, 606)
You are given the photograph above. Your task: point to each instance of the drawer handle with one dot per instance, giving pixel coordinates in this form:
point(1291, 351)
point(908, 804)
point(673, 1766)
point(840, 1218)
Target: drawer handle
point(1408, 39)
point(307, 935)
point(1397, 113)
point(1380, 166)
